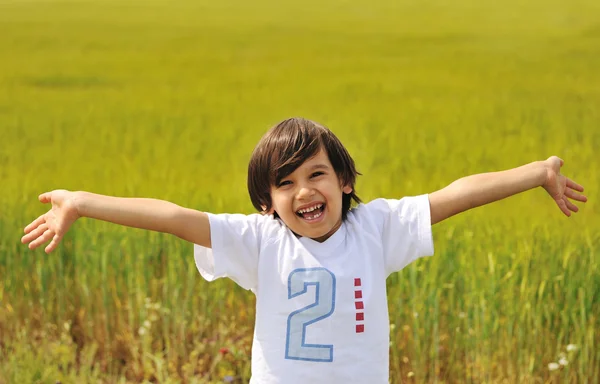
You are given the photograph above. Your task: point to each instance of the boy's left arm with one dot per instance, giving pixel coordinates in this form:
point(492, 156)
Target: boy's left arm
point(476, 190)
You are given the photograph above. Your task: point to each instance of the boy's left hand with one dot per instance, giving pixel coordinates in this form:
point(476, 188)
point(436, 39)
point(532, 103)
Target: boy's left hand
point(560, 187)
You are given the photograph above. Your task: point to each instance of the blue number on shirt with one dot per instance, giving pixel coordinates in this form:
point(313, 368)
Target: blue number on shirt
point(298, 282)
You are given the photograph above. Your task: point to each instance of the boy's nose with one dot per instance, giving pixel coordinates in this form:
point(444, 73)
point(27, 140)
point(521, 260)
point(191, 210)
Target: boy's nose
point(305, 192)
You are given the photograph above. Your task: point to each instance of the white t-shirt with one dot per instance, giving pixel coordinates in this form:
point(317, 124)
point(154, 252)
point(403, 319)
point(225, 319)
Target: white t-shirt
point(321, 308)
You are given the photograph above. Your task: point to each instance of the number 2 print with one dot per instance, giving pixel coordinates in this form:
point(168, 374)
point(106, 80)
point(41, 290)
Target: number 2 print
point(296, 347)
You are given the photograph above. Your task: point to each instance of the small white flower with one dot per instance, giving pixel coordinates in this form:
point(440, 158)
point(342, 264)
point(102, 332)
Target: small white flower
point(142, 331)
point(67, 326)
point(410, 374)
point(392, 327)
point(462, 315)
point(571, 347)
point(562, 355)
point(553, 366)
point(416, 314)
point(563, 362)
point(147, 324)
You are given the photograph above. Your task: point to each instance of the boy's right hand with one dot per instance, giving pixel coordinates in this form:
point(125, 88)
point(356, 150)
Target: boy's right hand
point(53, 224)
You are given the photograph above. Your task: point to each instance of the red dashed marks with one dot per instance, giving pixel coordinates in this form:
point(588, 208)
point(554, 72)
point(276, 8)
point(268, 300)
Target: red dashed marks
point(360, 316)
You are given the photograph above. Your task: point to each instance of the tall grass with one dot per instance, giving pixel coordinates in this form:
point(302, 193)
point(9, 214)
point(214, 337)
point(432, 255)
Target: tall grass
point(167, 100)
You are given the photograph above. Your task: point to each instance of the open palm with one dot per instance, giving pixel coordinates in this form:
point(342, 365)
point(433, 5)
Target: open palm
point(52, 225)
point(561, 188)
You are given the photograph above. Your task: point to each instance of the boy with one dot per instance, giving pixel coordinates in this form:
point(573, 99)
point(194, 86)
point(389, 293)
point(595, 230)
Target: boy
point(317, 267)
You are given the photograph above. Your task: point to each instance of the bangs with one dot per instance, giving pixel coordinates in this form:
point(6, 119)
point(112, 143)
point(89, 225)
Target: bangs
point(290, 152)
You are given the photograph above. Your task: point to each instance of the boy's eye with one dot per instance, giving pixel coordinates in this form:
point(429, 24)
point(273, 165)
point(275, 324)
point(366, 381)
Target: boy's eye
point(317, 174)
point(284, 183)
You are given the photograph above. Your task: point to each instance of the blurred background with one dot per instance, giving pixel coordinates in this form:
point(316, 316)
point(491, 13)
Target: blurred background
point(167, 99)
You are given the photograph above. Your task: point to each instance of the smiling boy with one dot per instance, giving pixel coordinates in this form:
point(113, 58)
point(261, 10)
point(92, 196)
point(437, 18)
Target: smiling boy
point(317, 266)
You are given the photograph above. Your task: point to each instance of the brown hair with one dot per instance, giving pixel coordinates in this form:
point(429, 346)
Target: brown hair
point(285, 147)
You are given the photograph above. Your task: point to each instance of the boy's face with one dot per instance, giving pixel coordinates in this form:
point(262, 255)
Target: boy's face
point(309, 200)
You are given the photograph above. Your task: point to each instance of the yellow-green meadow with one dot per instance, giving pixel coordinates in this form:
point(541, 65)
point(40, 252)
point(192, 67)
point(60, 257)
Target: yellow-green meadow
point(167, 99)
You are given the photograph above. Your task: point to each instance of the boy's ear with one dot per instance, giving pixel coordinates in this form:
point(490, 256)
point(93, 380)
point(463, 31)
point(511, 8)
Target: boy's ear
point(264, 210)
point(347, 189)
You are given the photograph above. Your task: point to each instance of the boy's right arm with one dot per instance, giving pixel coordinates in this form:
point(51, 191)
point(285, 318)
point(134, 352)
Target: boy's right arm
point(150, 214)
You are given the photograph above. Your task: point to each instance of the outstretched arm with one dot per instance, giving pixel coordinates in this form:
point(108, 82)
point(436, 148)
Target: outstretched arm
point(151, 214)
point(476, 190)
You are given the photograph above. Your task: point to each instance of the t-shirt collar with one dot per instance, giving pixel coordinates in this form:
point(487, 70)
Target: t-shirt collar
point(328, 245)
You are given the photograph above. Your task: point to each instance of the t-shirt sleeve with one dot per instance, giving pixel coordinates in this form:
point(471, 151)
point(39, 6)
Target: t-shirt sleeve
point(235, 247)
point(405, 227)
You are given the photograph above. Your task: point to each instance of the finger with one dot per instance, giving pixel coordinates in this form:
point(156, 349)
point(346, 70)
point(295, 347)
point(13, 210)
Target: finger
point(575, 196)
point(574, 185)
point(571, 206)
point(35, 223)
point(35, 233)
point(42, 239)
point(45, 197)
point(53, 244)
point(563, 207)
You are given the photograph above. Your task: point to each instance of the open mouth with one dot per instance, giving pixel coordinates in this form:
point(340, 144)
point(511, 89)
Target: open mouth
point(311, 213)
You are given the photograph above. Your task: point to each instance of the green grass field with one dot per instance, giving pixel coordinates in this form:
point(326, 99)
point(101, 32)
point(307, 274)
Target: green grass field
point(167, 99)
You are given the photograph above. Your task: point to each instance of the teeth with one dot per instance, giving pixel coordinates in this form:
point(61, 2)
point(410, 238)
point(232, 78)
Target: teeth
point(310, 209)
point(318, 214)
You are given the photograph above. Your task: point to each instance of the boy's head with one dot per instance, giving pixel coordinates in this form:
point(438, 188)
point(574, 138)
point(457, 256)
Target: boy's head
point(299, 165)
